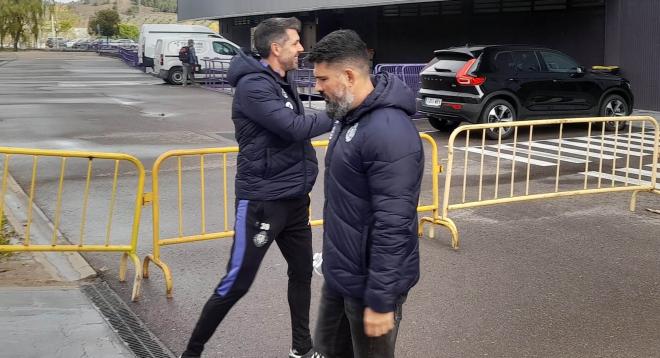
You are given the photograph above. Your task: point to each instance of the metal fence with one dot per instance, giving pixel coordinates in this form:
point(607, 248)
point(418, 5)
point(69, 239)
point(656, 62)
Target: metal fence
point(622, 159)
point(223, 160)
point(214, 72)
point(75, 209)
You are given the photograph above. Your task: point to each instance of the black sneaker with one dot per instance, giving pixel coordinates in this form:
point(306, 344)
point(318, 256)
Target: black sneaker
point(293, 353)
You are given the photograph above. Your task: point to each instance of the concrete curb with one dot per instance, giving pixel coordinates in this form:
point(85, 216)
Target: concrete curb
point(64, 266)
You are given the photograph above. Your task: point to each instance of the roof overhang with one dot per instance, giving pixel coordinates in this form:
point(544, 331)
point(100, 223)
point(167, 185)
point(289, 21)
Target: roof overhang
point(217, 9)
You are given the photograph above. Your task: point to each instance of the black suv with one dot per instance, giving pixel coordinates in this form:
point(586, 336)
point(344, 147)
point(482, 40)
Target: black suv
point(487, 84)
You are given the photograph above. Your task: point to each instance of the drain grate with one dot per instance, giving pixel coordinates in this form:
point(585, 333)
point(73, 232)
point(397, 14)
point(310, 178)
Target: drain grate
point(125, 322)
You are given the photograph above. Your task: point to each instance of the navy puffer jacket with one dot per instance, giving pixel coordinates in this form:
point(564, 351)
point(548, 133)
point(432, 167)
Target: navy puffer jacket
point(276, 158)
point(374, 168)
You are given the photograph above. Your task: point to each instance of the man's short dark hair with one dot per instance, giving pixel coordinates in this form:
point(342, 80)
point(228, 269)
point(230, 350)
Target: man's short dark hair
point(273, 30)
point(341, 46)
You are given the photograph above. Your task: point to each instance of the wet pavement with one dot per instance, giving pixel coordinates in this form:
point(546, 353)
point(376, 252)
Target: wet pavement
point(574, 277)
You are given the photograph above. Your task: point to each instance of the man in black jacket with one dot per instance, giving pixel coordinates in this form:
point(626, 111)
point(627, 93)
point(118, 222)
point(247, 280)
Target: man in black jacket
point(277, 168)
point(373, 171)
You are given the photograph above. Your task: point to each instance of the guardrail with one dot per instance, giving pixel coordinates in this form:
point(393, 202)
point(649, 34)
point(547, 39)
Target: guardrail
point(215, 75)
point(72, 166)
point(601, 162)
point(623, 159)
point(223, 230)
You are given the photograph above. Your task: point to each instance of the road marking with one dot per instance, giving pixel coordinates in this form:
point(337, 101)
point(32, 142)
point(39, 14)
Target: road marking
point(573, 150)
point(619, 178)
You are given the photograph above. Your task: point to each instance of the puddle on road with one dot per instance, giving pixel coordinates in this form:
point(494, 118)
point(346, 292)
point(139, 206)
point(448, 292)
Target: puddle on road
point(157, 114)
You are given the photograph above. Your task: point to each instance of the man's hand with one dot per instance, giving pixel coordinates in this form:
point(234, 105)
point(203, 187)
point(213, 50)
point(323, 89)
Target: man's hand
point(377, 324)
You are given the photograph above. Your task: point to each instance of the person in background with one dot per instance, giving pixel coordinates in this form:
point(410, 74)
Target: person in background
point(190, 62)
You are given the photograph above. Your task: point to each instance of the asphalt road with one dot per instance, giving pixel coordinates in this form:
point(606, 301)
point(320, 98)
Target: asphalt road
point(572, 277)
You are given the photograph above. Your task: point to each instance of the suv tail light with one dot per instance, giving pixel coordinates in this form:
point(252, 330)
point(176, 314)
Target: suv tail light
point(162, 62)
point(465, 79)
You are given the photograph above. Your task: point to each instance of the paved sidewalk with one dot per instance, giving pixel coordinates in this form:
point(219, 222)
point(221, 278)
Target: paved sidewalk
point(55, 322)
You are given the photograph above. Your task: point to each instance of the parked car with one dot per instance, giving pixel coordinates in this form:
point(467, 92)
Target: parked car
point(56, 42)
point(82, 44)
point(168, 66)
point(125, 43)
point(489, 84)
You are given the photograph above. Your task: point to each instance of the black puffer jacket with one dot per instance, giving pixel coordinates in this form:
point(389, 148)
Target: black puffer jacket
point(276, 158)
point(374, 168)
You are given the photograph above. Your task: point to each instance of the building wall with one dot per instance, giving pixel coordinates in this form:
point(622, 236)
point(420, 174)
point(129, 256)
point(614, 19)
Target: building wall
point(615, 32)
point(579, 33)
point(632, 42)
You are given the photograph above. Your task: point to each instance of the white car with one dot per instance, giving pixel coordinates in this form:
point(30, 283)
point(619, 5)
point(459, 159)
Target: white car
point(168, 66)
point(126, 43)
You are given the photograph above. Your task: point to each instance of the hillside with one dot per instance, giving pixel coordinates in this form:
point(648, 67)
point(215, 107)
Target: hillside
point(129, 12)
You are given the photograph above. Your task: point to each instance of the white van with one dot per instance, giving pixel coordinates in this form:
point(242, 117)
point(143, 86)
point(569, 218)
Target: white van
point(168, 66)
point(149, 33)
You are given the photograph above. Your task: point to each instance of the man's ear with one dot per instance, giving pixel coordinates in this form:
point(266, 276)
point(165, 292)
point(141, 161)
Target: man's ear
point(275, 49)
point(351, 76)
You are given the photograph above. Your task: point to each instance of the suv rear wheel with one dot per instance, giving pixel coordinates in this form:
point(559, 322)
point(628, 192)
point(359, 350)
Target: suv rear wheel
point(443, 124)
point(614, 106)
point(497, 111)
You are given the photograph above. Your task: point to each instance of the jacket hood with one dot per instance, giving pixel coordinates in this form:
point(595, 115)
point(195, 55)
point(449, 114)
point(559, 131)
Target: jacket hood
point(389, 92)
point(243, 64)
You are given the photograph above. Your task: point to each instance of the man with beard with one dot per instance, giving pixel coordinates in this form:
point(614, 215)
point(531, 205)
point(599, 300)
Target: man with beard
point(277, 168)
point(373, 172)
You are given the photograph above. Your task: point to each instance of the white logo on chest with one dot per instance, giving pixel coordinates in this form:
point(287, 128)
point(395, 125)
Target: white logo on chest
point(350, 133)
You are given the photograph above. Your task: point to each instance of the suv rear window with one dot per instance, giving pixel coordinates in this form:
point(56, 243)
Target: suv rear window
point(450, 62)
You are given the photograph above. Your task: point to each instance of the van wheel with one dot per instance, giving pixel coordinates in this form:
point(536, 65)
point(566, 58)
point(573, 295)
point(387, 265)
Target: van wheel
point(443, 124)
point(614, 106)
point(498, 111)
point(176, 76)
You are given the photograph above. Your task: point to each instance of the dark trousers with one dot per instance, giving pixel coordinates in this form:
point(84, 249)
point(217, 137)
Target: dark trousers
point(188, 74)
point(340, 329)
point(258, 224)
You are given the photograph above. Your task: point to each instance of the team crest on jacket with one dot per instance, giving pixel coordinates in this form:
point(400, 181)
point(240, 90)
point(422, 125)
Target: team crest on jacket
point(350, 133)
point(288, 105)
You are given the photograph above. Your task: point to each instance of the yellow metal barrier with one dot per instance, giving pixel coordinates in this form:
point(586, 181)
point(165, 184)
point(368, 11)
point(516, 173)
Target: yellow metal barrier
point(128, 250)
point(630, 147)
point(202, 235)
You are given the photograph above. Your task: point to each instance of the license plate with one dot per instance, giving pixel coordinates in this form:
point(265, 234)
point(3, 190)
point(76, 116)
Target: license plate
point(435, 102)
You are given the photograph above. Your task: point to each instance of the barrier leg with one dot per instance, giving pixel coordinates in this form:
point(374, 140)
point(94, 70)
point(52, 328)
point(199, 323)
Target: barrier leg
point(633, 200)
point(122, 267)
point(163, 267)
point(448, 223)
point(138, 277)
point(451, 226)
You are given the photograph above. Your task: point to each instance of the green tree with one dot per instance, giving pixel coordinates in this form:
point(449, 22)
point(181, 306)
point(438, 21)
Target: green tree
point(104, 23)
point(4, 21)
point(21, 17)
point(129, 31)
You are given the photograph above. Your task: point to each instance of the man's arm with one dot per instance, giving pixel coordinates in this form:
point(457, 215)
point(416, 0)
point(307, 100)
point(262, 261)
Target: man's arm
point(393, 160)
point(263, 106)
